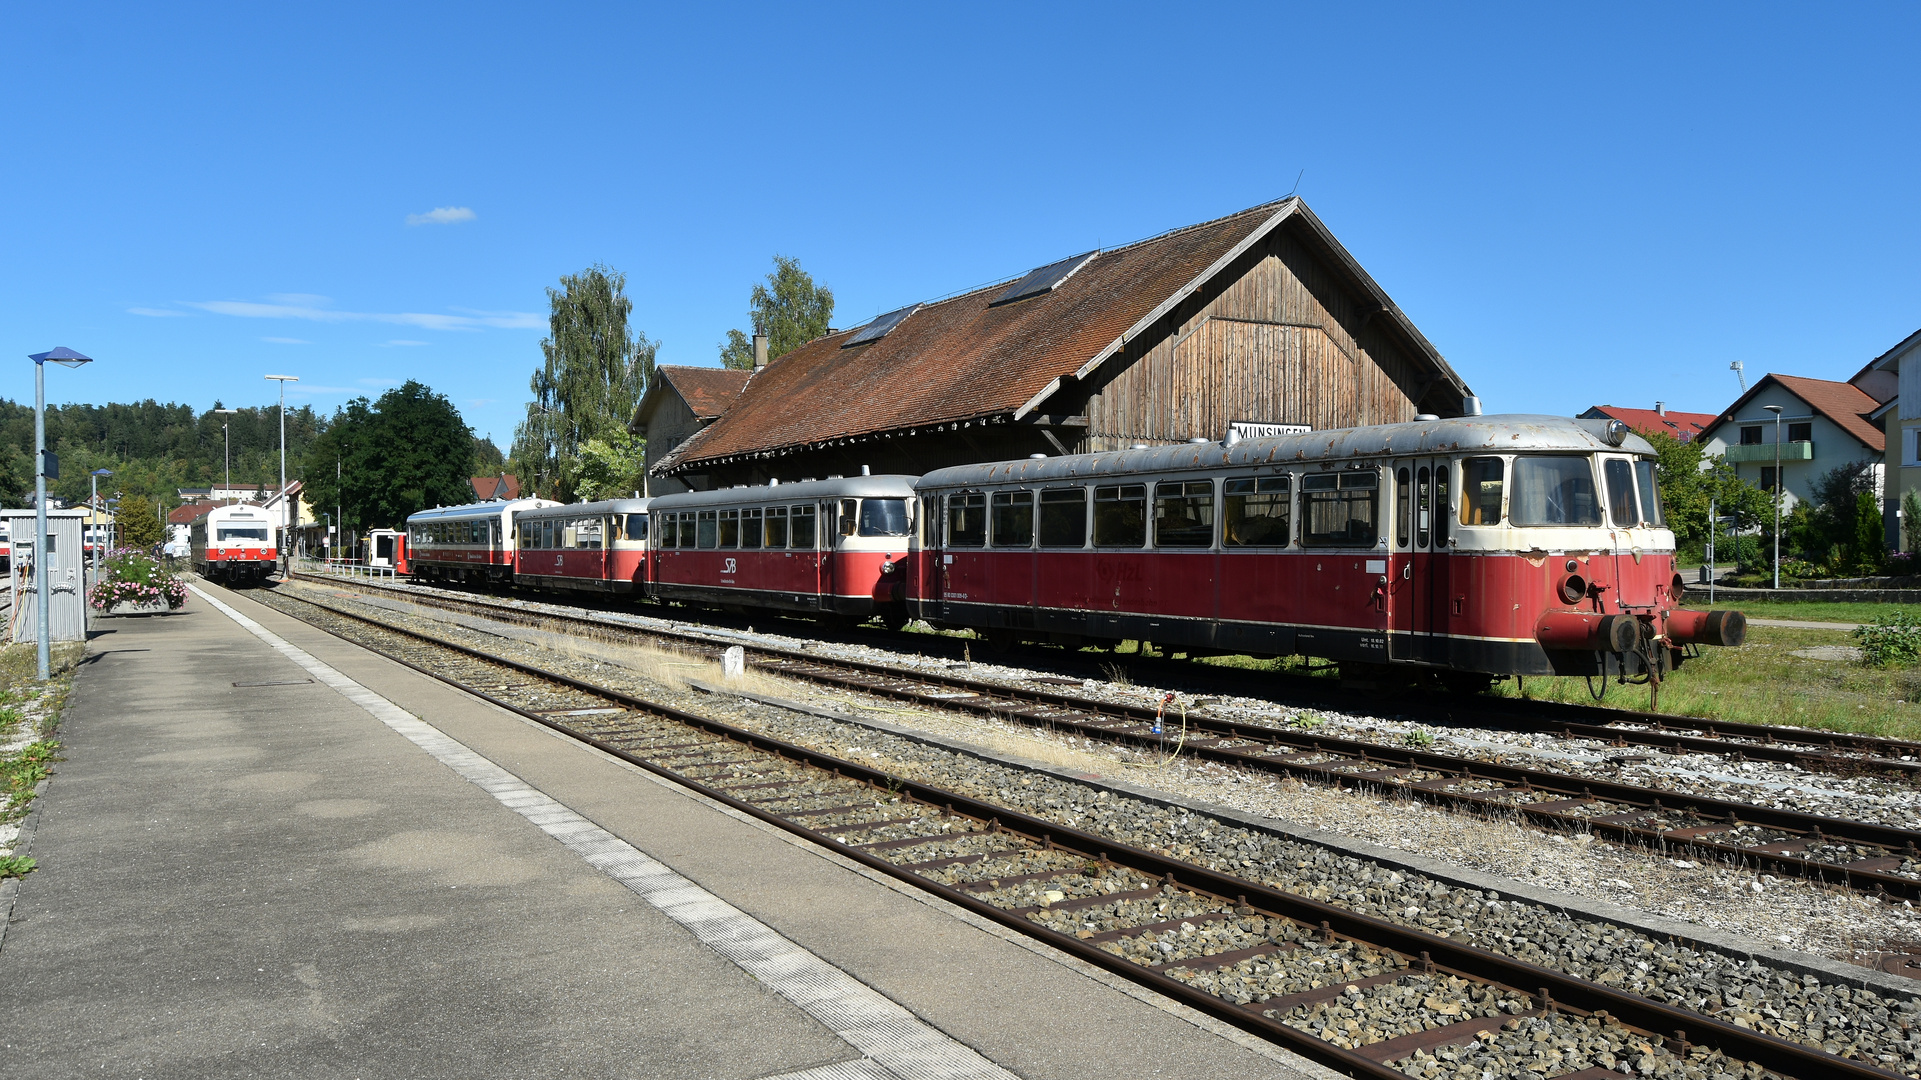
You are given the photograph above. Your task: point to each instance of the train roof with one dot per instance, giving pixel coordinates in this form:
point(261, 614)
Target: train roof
point(1505, 433)
point(890, 485)
point(483, 509)
point(239, 512)
point(589, 509)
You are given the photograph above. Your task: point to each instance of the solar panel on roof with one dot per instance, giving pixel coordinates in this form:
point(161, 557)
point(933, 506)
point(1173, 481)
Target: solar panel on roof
point(878, 329)
point(1043, 279)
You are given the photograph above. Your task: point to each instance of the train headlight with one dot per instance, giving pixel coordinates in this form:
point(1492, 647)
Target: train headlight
point(1573, 588)
point(1615, 433)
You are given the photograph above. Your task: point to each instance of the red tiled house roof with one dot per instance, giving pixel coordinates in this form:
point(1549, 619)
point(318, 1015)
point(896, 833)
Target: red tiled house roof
point(1685, 426)
point(707, 391)
point(492, 487)
point(967, 357)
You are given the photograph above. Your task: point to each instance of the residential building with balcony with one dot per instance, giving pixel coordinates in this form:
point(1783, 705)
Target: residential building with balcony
point(1824, 425)
point(1900, 421)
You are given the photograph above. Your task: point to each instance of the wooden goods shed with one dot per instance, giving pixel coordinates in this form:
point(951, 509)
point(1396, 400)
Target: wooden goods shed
point(1259, 319)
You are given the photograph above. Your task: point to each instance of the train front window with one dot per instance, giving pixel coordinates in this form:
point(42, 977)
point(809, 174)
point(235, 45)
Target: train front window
point(883, 517)
point(750, 528)
point(1255, 511)
point(1120, 516)
point(1620, 488)
point(1481, 490)
point(1554, 491)
point(706, 531)
point(1064, 517)
point(1650, 494)
point(242, 532)
point(800, 530)
point(967, 519)
point(636, 527)
point(776, 528)
point(1013, 519)
point(1340, 509)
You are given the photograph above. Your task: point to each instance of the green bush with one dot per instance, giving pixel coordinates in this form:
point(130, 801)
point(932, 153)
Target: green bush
point(1892, 639)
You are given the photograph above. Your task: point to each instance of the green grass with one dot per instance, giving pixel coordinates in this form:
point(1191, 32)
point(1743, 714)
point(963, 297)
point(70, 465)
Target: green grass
point(1763, 682)
point(1809, 610)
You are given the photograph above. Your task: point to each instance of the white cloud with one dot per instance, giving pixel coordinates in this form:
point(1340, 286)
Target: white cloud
point(156, 313)
point(442, 215)
point(287, 340)
point(304, 299)
point(378, 382)
point(300, 306)
point(399, 342)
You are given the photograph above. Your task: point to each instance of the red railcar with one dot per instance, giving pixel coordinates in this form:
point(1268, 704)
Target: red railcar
point(235, 545)
point(593, 547)
point(474, 542)
point(825, 547)
point(1493, 545)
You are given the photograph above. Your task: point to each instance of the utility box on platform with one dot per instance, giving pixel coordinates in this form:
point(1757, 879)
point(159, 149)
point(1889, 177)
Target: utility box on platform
point(64, 568)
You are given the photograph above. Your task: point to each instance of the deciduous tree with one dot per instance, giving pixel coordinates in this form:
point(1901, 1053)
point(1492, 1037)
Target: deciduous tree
point(407, 451)
point(594, 371)
point(788, 307)
point(136, 525)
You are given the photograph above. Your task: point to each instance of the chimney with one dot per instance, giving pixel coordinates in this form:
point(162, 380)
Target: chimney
point(760, 351)
point(1660, 408)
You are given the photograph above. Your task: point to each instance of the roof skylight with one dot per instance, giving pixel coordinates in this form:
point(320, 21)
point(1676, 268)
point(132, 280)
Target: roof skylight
point(1044, 279)
point(878, 329)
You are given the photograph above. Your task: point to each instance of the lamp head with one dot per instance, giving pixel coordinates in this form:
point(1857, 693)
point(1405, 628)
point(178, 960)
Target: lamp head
point(61, 355)
point(285, 378)
point(1775, 409)
point(103, 472)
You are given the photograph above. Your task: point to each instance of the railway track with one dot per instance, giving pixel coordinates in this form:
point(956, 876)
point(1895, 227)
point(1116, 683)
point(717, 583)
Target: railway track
point(1366, 996)
point(1859, 855)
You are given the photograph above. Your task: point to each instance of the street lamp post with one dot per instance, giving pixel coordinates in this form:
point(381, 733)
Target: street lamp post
point(1776, 410)
point(283, 380)
point(226, 447)
point(41, 565)
point(93, 511)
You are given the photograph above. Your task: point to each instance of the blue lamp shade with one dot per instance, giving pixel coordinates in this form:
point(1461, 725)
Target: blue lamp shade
point(60, 355)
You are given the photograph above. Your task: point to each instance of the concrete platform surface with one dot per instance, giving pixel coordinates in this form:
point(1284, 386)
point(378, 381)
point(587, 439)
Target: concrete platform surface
point(247, 871)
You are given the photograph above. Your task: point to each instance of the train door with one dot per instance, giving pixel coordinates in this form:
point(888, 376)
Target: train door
point(961, 575)
point(1421, 538)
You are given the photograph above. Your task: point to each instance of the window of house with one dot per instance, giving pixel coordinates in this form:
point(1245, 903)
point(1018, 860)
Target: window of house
point(1801, 432)
point(1340, 509)
point(1751, 436)
point(1012, 521)
point(1255, 511)
point(1063, 517)
point(1767, 478)
point(967, 519)
point(1120, 516)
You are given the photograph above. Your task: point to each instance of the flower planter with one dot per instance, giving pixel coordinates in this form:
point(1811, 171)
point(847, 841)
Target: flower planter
point(126, 607)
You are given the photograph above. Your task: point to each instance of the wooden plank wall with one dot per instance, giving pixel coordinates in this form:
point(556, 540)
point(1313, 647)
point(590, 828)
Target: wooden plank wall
point(1279, 343)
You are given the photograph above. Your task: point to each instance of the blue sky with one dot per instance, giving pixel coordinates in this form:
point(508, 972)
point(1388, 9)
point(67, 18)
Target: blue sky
point(1574, 206)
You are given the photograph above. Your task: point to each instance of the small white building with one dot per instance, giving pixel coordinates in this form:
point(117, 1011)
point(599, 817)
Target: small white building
point(1824, 425)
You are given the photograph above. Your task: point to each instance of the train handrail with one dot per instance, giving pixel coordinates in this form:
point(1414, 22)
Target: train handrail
point(353, 568)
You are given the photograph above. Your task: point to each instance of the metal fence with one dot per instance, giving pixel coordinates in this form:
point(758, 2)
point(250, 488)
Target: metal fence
point(353, 568)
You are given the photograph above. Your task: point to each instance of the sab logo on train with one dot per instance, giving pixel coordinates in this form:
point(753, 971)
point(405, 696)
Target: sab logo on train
point(1116, 571)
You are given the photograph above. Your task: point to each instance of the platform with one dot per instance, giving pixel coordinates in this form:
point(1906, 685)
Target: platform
point(271, 853)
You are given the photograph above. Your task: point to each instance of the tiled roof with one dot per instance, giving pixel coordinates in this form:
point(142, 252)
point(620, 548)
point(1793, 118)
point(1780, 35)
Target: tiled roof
point(1846, 404)
point(708, 391)
point(966, 357)
point(488, 487)
point(188, 513)
point(1681, 425)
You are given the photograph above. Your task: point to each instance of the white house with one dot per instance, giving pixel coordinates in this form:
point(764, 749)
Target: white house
point(1823, 426)
point(1900, 421)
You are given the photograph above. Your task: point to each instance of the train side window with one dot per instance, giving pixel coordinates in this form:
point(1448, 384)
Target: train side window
point(729, 529)
point(587, 534)
point(1403, 507)
point(1255, 511)
point(1553, 491)
point(967, 519)
point(800, 530)
point(1650, 494)
point(1184, 514)
point(776, 528)
point(1619, 476)
point(686, 529)
point(1481, 490)
point(883, 517)
point(1443, 473)
point(637, 527)
point(1340, 509)
point(666, 531)
point(1012, 522)
point(1120, 516)
point(849, 516)
point(706, 530)
point(1423, 509)
point(750, 528)
point(1064, 517)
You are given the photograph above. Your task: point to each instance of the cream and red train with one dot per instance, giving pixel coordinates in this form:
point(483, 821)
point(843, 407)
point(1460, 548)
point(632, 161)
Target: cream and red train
point(1475, 547)
point(234, 545)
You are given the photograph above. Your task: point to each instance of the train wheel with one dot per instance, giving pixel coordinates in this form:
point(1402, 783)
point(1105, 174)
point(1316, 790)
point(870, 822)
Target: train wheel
point(895, 620)
point(1466, 682)
point(999, 641)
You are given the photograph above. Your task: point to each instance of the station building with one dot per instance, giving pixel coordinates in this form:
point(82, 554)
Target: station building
point(1259, 321)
